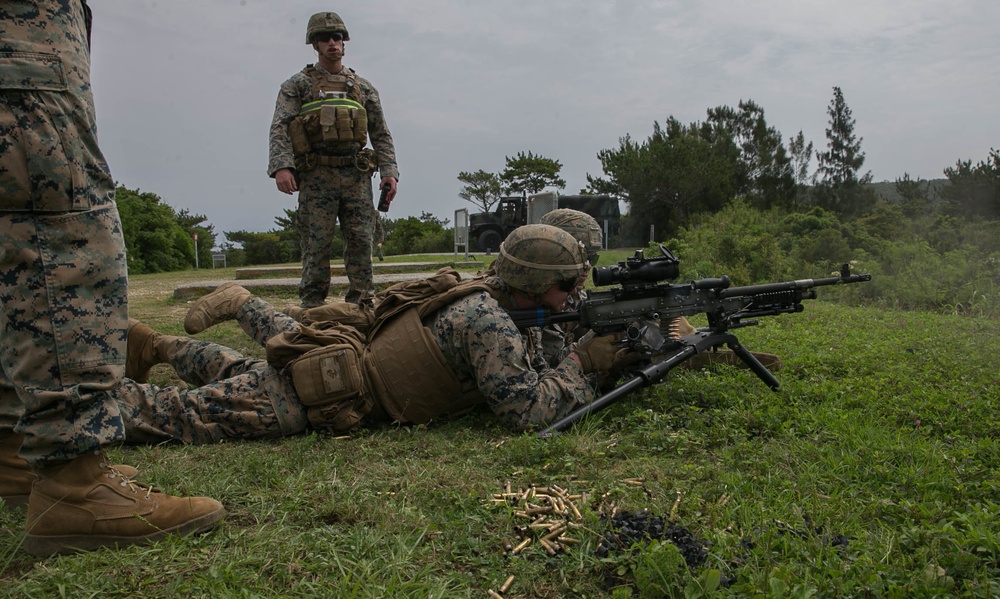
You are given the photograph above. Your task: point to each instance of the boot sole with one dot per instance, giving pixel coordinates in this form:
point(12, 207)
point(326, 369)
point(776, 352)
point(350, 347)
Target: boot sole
point(44, 546)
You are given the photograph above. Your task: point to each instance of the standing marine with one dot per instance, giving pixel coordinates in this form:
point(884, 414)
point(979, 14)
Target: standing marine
point(323, 118)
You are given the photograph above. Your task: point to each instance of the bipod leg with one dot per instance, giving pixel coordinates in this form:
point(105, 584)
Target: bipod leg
point(754, 364)
point(644, 377)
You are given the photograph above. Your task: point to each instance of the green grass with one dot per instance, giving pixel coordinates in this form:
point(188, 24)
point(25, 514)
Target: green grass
point(872, 472)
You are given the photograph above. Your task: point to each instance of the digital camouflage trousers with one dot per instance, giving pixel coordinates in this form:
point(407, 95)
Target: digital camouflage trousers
point(64, 293)
point(328, 194)
point(232, 396)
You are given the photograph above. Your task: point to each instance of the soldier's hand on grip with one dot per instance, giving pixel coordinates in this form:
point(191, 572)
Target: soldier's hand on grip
point(624, 358)
point(597, 354)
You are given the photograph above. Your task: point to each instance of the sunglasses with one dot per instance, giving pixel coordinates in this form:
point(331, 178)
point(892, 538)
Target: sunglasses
point(327, 36)
point(568, 285)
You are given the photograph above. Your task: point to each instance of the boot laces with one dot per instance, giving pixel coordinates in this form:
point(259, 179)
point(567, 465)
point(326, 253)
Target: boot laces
point(124, 481)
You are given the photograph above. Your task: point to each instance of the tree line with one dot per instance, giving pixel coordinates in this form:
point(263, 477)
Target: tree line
point(674, 179)
point(682, 171)
point(161, 239)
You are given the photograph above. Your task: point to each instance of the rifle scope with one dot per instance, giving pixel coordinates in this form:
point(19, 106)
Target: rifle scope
point(639, 269)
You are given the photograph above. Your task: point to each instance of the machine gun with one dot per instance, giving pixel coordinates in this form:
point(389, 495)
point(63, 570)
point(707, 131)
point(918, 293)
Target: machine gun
point(643, 307)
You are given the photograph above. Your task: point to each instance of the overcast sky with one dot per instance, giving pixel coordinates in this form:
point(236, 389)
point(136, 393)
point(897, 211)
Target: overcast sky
point(185, 89)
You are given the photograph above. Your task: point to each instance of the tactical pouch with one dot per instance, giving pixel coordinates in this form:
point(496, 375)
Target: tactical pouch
point(357, 316)
point(328, 123)
point(342, 415)
point(44, 152)
point(360, 126)
point(343, 123)
point(328, 374)
point(330, 382)
point(300, 141)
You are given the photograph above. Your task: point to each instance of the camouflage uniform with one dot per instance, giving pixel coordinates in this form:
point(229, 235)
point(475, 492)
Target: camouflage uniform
point(557, 339)
point(329, 193)
point(239, 397)
point(486, 350)
point(63, 285)
point(235, 397)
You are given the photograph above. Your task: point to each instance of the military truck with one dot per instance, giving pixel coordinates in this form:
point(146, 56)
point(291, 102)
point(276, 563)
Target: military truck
point(488, 229)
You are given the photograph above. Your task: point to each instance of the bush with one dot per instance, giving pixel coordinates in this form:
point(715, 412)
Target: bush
point(930, 262)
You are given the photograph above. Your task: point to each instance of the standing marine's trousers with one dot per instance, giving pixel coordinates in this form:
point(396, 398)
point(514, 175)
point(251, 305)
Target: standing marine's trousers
point(63, 292)
point(326, 194)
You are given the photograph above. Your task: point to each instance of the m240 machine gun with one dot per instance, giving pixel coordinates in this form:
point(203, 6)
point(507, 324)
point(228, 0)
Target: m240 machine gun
point(642, 307)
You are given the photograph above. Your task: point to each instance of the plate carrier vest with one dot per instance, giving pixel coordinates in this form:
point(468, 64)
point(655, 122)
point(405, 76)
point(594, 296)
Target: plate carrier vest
point(400, 373)
point(335, 122)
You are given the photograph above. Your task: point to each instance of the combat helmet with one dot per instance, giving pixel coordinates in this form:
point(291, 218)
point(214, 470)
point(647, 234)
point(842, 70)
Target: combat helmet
point(580, 225)
point(533, 258)
point(322, 22)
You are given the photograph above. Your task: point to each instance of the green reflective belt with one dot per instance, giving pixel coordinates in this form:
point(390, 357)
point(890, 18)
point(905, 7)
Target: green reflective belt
point(316, 105)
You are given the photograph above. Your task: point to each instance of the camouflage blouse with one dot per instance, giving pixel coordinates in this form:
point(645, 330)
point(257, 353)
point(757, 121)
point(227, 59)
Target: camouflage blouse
point(487, 351)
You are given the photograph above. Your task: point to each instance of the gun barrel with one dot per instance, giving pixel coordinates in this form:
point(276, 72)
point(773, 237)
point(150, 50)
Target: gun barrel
point(800, 284)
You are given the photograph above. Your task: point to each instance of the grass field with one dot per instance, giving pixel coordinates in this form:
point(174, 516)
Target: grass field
point(872, 472)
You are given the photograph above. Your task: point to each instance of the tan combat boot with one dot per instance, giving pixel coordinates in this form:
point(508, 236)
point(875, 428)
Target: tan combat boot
point(215, 307)
point(85, 504)
point(141, 354)
point(296, 312)
point(16, 478)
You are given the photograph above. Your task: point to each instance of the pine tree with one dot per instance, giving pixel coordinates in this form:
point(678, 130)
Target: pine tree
point(801, 154)
point(531, 173)
point(840, 186)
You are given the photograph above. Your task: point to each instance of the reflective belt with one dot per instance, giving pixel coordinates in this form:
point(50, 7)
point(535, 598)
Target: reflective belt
point(317, 104)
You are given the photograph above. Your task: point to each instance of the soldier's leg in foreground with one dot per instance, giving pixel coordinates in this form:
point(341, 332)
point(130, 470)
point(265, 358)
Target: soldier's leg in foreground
point(64, 298)
point(260, 403)
point(317, 216)
point(200, 363)
point(357, 223)
point(261, 321)
point(63, 351)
